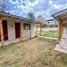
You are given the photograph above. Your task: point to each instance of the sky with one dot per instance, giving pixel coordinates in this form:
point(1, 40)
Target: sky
point(46, 8)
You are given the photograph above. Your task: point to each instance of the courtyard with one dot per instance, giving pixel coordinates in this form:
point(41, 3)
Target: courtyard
point(37, 52)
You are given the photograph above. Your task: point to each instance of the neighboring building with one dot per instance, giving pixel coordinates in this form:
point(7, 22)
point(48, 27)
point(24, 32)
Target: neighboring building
point(14, 29)
point(51, 22)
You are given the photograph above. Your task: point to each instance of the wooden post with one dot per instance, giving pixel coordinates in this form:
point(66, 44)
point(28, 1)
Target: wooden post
point(30, 30)
point(40, 28)
point(20, 30)
point(1, 30)
point(36, 29)
point(60, 29)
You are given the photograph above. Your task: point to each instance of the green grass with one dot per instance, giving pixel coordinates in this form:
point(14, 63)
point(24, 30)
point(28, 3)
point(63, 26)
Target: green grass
point(48, 34)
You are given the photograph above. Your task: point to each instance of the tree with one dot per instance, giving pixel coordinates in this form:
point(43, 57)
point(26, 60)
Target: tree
point(31, 16)
point(41, 19)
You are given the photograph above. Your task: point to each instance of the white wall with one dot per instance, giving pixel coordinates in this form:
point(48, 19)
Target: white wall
point(25, 34)
point(11, 32)
point(33, 29)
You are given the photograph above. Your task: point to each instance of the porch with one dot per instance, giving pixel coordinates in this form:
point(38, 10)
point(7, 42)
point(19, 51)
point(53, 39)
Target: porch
point(61, 18)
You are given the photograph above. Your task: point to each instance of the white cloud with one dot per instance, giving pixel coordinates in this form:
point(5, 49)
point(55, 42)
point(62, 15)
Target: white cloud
point(50, 2)
point(57, 6)
point(1, 2)
point(65, 6)
point(45, 13)
point(32, 4)
point(39, 7)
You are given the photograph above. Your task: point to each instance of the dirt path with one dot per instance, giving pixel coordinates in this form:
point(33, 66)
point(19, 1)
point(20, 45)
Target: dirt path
point(32, 53)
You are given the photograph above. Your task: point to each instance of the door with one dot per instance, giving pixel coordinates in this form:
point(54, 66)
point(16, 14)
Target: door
point(5, 32)
point(17, 30)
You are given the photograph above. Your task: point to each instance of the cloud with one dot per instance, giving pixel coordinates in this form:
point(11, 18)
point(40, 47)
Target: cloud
point(65, 6)
point(50, 2)
point(57, 6)
point(38, 7)
point(1, 2)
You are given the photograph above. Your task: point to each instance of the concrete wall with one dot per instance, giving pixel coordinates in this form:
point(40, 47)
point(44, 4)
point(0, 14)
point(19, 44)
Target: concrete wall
point(26, 35)
point(33, 29)
point(11, 32)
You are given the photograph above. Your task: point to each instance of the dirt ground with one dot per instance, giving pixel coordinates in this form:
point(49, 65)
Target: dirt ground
point(32, 53)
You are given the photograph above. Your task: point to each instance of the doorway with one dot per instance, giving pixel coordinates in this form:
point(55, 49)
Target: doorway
point(17, 30)
point(5, 31)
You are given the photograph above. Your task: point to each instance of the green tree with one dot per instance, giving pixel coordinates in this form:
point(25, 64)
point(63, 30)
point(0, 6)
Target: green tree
point(31, 16)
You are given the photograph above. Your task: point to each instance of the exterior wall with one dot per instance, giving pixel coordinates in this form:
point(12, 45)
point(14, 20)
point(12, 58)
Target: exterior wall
point(11, 32)
point(33, 30)
point(24, 34)
point(51, 22)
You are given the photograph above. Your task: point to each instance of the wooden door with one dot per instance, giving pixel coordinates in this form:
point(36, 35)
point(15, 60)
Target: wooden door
point(5, 32)
point(17, 30)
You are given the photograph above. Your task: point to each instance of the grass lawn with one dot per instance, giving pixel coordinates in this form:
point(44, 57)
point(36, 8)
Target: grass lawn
point(32, 53)
point(48, 34)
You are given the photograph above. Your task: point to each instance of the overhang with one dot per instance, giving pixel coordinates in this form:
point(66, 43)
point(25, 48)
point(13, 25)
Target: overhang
point(4, 14)
point(62, 16)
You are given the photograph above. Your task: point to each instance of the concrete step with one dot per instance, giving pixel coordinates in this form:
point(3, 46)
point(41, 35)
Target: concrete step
point(59, 48)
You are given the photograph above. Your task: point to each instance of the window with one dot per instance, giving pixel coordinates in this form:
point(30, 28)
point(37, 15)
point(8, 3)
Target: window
point(26, 26)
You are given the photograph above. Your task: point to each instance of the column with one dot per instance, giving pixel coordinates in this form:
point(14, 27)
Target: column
point(36, 29)
point(59, 31)
point(1, 30)
point(62, 27)
point(21, 30)
point(40, 28)
point(30, 30)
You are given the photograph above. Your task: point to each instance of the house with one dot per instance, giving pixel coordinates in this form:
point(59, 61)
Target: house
point(61, 18)
point(14, 29)
point(51, 22)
